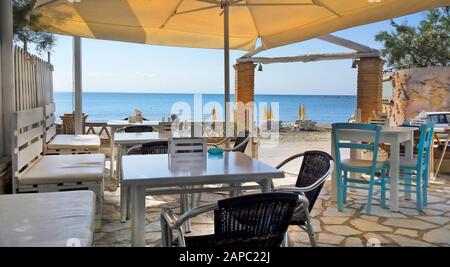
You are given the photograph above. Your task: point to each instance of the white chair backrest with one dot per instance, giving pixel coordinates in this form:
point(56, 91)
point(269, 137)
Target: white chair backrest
point(49, 122)
point(187, 146)
point(28, 139)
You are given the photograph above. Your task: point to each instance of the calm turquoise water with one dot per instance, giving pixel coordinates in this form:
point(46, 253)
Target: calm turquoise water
point(112, 106)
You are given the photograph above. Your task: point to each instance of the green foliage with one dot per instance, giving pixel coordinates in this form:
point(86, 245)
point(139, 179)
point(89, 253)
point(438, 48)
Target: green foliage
point(428, 44)
point(27, 31)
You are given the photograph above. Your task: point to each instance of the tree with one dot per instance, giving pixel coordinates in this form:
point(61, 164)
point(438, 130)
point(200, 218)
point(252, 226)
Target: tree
point(27, 30)
point(428, 44)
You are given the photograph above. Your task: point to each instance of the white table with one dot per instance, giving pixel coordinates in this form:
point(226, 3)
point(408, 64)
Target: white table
point(123, 141)
point(157, 172)
point(390, 135)
point(114, 125)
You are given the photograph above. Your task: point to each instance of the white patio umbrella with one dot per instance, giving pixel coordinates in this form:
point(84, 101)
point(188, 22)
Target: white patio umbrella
point(220, 24)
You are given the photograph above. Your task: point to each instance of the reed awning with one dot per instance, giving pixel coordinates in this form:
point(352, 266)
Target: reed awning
point(200, 23)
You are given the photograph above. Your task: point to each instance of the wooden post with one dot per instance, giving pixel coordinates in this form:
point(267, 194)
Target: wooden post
point(370, 80)
point(7, 97)
point(78, 85)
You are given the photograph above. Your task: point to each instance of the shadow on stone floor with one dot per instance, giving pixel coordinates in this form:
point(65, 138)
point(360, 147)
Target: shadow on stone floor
point(351, 228)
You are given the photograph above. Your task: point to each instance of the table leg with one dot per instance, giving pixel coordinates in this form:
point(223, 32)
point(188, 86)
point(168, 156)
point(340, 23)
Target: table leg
point(409, 154)
point(395, 173)
point(444, 150)
point(123, 188)
point(138, 216)
point(333, 175)
point(111, 143)
point(266, 186)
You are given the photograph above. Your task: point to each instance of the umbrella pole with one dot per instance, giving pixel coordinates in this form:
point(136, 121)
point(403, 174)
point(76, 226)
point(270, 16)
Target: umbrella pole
point(78, 85)
point(227, 67)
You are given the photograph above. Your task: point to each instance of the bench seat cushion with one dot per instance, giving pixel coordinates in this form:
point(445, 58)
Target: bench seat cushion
point(70, 141)
point(47, 219)
point(54, 169)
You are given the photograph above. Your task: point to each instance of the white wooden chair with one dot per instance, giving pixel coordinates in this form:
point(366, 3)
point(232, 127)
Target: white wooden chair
point(66, 143)
point(188, 147)
point(35, 172)
point(165, 127)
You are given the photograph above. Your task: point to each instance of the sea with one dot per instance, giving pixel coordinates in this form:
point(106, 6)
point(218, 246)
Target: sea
point(324, 109)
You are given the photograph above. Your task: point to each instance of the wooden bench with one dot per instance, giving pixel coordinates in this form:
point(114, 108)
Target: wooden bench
point(35, 172)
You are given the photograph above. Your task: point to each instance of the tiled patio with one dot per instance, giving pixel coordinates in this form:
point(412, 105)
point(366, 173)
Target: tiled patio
point(350, 228)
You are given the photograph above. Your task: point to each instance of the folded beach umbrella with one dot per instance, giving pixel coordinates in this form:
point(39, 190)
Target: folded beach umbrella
point(214, 114)
point(221, 24)
point(299, 112)
point(265, 114)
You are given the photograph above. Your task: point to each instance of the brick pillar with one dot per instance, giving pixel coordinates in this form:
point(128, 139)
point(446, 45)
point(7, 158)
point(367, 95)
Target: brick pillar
point(370, 79)
point(244, 92)
point(244, 97)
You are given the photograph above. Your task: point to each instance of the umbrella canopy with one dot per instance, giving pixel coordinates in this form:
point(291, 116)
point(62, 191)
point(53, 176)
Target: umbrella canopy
point(200, 24)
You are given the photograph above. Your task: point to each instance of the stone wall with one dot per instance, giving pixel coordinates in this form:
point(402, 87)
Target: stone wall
point(416, 90)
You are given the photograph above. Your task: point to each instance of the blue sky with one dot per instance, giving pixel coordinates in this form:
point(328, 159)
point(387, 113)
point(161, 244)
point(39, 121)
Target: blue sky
point(125, 67)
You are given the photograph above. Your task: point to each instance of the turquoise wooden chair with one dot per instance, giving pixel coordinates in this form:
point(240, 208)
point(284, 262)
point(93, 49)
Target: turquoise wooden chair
point(414, 172)
point(369, 140)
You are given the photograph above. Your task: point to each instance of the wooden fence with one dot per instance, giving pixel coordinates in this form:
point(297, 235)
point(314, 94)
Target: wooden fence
point(33, 80)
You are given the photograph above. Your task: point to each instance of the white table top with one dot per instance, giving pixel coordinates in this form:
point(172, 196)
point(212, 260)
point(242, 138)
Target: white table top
point(165, 170)
point(62, 141)
point(123, 123)
point(441, 129)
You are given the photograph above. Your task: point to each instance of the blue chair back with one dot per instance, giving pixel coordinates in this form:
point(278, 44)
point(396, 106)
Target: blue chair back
point(424, 147)
point(369, 140)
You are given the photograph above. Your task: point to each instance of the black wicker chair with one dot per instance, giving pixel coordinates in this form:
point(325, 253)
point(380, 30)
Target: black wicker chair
point(259, 220)
point(159, 147)
point(136, 129)
point(240, 143)
point(315, 169)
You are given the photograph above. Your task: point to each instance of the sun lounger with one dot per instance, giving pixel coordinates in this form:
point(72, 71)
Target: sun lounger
point(47, 220)
point(34, 172)
point(66, 143)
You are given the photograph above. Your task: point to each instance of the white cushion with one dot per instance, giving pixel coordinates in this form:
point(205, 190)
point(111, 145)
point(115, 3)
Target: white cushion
point(69, 141)
point(47, 219)
point(360, 163)
point(65, 169)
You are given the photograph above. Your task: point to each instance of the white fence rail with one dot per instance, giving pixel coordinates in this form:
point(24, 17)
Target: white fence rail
point(33, 80)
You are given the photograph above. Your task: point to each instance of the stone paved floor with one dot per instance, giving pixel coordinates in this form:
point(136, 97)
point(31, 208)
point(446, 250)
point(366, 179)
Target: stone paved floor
point(352, 228)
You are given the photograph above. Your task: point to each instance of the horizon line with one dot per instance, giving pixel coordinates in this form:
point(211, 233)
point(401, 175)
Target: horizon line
point(173, 93)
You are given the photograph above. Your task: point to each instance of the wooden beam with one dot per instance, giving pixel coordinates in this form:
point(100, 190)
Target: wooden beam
point(253, 52)
point(345, 43)
point(309, 58)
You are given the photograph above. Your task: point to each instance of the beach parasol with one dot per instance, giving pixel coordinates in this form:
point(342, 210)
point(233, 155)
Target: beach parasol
point(265, 114)
point(214, 114)
point(299, 112)
point(303, 112)
point(270, 113)
point(221, 24)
